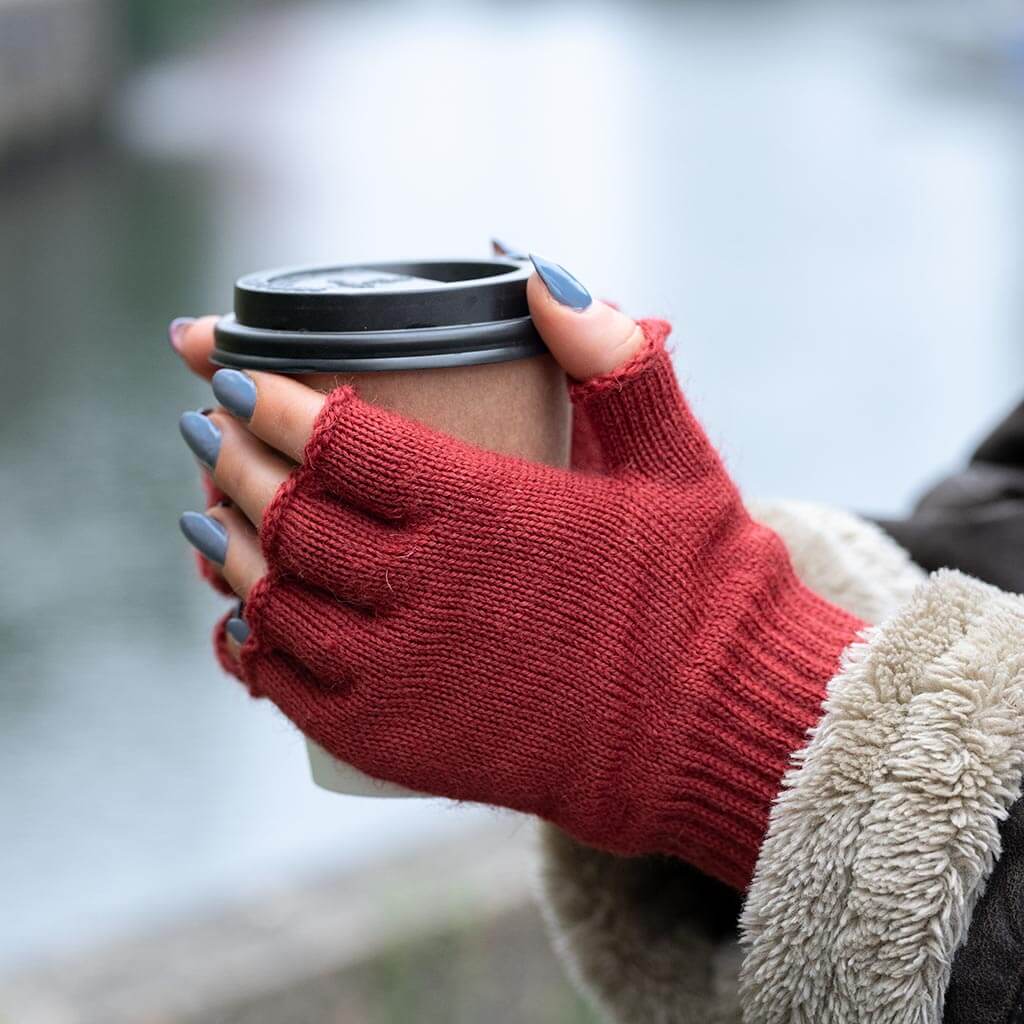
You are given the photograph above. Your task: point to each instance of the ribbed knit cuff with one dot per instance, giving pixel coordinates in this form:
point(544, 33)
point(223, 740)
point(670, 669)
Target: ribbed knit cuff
point(734, 748)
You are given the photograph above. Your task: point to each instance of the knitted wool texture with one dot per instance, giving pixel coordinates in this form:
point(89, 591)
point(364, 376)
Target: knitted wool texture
point(625, 653)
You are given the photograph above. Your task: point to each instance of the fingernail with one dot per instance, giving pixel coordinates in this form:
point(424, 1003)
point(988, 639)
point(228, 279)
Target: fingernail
point(499, 248)
point(176, 330)
point(206, 535)
point(563, 286)
point(236, 392)
point(202, 436)
point(237, 629)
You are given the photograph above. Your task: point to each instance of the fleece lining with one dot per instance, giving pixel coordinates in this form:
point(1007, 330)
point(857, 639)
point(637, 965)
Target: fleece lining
point(888, 825)
point(650, 940)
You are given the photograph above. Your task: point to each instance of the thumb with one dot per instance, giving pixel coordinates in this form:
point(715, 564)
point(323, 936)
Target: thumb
point(641, 424)
point(588, 338)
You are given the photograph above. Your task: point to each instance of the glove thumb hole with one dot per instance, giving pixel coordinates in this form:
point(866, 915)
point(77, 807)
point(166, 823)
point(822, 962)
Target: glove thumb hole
point(641, 419)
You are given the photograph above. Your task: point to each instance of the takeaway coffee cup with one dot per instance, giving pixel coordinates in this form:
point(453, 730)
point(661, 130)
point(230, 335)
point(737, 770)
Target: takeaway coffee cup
point(447, 342)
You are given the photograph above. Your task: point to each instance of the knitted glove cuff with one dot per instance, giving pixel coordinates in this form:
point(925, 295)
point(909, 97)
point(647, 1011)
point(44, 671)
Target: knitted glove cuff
point(764, 698)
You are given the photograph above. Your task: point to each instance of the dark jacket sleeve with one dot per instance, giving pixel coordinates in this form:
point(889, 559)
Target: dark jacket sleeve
point(987, 984)
point(973, 519)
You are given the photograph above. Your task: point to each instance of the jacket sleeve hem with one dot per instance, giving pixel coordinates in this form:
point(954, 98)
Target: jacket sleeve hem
point(887, 828)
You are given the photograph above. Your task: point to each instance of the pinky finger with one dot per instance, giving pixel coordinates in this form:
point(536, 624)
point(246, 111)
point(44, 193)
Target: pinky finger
point(236, 632)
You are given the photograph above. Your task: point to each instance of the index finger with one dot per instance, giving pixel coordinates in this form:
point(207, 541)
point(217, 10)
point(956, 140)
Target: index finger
point(279, 410)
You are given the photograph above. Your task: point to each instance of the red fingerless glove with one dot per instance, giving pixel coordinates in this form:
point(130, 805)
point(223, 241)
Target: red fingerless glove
point(627, 655)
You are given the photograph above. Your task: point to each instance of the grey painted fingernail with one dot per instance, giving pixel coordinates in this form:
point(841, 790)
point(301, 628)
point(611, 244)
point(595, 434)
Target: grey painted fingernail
point(202, 436)
point(499, 248)
point(176, 330)
point(563, 287)
point(236, 392)
point(237, 629)
point(206, 535)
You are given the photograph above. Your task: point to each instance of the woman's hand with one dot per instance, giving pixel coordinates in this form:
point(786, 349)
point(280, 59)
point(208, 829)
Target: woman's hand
point(588, 339)
point(626, 654)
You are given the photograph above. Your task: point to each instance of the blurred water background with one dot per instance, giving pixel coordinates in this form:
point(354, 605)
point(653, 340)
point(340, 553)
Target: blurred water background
point(825, 198)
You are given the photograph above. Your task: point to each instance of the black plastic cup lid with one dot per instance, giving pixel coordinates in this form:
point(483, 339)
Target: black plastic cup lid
point(379, 316)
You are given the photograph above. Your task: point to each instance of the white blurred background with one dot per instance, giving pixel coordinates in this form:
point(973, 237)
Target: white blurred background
point(824, 197)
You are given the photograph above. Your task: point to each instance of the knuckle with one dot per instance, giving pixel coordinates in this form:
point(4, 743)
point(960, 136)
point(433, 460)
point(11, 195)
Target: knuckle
point(630, 341)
